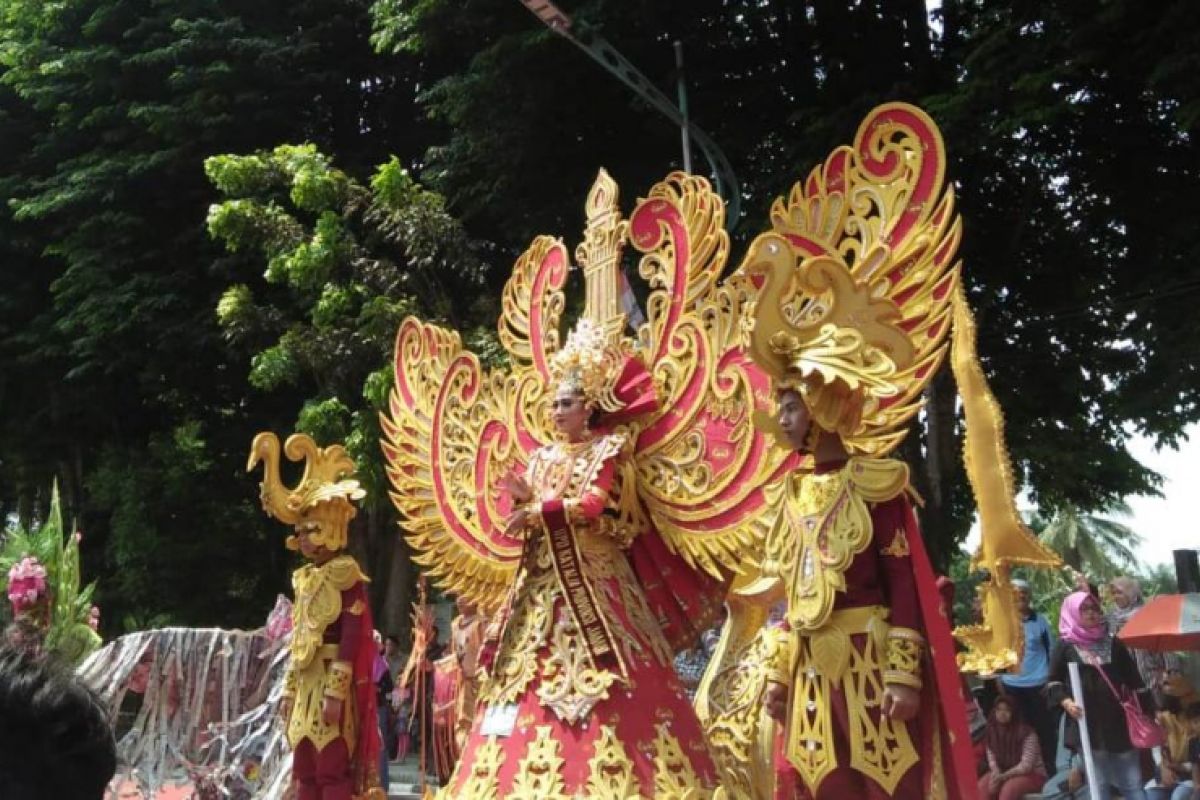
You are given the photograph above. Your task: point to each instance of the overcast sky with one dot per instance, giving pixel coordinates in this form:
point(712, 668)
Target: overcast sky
point(1169, 522)
point(1166, 523)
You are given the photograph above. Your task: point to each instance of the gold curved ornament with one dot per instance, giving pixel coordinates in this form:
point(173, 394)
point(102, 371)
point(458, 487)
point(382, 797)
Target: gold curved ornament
point(997, 644)
point(854, 281)
point(729, 699)
point(326, 475)
point(453, 430)
point(610, 771)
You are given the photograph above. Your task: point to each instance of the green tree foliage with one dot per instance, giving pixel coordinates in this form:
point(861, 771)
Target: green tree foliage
point(1072, 132)
point(345, 263)
point(116, 375)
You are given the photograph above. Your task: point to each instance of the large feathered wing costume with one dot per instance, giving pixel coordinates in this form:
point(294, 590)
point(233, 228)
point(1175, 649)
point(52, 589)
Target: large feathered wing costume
point(454, 429)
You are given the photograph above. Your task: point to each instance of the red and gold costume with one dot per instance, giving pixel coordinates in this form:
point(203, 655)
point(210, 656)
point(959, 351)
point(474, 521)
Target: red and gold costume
point(855, 624)
point(332, 647)
point(466, 642)
point(633, 530)
point(852, 310)
point(639, 531)
point(455, 690)
point(582, 657)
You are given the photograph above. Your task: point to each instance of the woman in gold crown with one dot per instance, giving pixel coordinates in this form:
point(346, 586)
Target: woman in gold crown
point(580, 699)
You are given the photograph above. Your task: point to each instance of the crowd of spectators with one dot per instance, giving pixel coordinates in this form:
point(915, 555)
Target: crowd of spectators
point(1033, 742)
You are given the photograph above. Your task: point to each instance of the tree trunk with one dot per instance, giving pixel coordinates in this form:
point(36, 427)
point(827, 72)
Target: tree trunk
point(941, 469)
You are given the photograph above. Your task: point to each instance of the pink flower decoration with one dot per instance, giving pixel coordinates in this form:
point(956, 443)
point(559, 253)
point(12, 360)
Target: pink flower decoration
point(26, 583)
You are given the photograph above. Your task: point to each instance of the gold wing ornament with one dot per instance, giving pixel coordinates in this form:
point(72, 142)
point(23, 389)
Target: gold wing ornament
point(852, 297)
point(1005, 541)
point(453, 430)
point(855, 278)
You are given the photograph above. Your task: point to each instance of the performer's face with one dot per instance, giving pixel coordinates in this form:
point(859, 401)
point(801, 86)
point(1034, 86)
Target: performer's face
point(571, 412)
point(794, 418)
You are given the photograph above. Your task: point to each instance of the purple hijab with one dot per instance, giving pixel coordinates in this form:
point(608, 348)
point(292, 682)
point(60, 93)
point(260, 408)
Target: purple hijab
point(1070, 622)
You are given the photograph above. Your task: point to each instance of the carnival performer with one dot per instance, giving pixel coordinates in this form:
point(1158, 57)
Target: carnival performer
point(593, 496)
point(863, 676)
point(329, 691)
point(466, 641)
point(581, 698)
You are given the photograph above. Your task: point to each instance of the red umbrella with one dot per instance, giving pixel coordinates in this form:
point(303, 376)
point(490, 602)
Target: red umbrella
point(1166, 622)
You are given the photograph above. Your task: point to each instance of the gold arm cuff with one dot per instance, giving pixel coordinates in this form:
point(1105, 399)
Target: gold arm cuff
point(904, 650)
point(337, 685)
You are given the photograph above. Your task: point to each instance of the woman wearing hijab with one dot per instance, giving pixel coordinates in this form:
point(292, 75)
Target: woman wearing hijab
point(1084, 639)
point(1014, 755)
point(1126, 594)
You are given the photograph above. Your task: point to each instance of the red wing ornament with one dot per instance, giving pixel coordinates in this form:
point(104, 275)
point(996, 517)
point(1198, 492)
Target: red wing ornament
point(453, 430)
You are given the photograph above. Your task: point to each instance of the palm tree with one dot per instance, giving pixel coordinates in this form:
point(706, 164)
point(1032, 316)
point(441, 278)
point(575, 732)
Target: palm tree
point(1099, 547)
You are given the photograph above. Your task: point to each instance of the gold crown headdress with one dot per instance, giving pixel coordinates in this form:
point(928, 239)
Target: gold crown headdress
point(853, 286)
point(323, 497)
point(588, 364)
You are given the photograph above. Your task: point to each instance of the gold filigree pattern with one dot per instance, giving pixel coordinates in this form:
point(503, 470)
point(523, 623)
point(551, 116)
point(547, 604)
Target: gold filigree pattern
point(570, 687)
point(674, 776)
point(1005, 541)
point(337, 684)
point(826, 522)
point(318, 592)
point(610, 770)
point(899, 546)
point(526, 632)
point(880, 748)
point(729, 700)
point(852, 304)
point(307, 719)
point(539, 774)
point(904, 650)
point(453, 430)
point(484, 781)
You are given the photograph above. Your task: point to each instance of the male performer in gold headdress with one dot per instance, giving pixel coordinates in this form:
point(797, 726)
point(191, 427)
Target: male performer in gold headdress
point(863, 674)
point(329, 696)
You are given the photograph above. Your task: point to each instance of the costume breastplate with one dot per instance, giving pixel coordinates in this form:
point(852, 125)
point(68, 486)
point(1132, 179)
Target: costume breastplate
point(318, 603)
point(826, 522)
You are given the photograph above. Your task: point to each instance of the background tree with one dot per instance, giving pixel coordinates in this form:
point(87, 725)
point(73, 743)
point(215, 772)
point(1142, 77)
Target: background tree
point(346, 262)
point(116, 376)
point(1071, 127)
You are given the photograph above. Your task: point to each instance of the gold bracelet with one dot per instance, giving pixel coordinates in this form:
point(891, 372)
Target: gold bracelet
point(337, 684)
point(904, 650)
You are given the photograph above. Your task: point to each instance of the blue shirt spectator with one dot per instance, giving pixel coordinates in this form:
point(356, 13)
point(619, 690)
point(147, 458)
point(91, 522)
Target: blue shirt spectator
point(1039, 642)
point(1025, 687)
